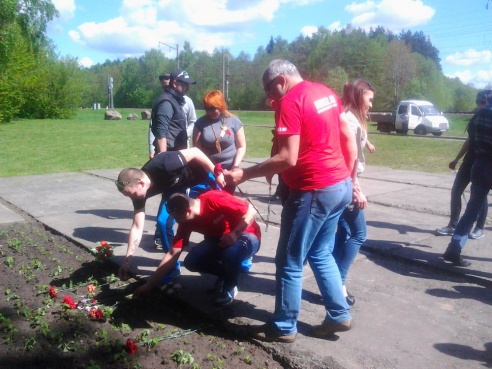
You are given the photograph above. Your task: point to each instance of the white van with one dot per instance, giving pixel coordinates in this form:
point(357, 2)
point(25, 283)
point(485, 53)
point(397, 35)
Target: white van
point(420, 116)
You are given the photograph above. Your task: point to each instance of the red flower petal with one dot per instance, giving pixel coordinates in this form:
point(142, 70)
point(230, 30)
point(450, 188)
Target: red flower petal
point(130, 346)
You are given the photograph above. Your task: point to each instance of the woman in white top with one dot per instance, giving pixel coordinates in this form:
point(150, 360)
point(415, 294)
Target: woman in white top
point(352, 231)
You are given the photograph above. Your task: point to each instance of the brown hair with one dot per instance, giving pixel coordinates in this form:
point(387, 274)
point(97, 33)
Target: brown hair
point(353, 99)
point(179, 203)
point(216, 99)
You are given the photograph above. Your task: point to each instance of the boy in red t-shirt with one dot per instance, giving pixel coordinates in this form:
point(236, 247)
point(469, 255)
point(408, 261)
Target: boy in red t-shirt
point(231, 236)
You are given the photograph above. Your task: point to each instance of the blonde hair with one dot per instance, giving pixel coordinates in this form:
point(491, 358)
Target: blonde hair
point(126, 177)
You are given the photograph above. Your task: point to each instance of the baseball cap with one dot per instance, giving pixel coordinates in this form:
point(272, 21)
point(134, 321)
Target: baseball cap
point(182, 76)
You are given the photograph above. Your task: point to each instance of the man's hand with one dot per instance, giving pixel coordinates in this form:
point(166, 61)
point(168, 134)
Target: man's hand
point(452, 165)
point(233, 176)
point(359, 199)
point(142, 291)
point(221, 180)
point(227, 240)
point(123, 271)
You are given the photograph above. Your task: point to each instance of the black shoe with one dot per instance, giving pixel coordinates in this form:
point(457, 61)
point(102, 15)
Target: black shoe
point(456, 259)
point(350, 299)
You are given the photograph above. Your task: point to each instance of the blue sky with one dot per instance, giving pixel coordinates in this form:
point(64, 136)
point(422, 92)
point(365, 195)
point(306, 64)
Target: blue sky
point(97, 30)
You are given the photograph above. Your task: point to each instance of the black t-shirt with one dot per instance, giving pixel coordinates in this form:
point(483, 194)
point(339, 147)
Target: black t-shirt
point(169, 171)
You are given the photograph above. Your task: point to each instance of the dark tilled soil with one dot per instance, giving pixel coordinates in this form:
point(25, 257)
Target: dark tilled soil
point(37, 331)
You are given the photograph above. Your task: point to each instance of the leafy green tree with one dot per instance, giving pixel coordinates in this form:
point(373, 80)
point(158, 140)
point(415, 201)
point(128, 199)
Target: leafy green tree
point(400, 67)
point(336, 79)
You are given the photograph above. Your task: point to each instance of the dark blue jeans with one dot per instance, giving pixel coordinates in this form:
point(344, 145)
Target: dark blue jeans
point(209, 257)
point(463, 178)
point(481, 178)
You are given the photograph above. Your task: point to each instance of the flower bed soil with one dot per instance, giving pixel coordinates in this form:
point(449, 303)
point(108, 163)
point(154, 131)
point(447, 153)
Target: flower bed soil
point(40, 331)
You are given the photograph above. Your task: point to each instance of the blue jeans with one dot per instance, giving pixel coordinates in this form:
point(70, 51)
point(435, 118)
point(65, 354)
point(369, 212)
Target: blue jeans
point(351, 234)
point(307, 232)
point(209, 257)
point(463, 178)
point(481, 178)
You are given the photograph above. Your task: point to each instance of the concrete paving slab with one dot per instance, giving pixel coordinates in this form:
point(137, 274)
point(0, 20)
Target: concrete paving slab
point(8, 216)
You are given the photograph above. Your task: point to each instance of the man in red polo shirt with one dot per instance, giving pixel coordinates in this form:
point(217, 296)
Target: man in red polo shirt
point(315, 156)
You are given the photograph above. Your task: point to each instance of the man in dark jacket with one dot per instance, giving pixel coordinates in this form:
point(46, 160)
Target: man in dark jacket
point(168, 119)
point(480, 139)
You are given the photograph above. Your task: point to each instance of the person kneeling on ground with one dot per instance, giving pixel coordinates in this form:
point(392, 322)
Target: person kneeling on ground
point(231, 236)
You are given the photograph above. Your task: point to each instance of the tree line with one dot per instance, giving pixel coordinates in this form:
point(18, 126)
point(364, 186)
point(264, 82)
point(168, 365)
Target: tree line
point(37, 83)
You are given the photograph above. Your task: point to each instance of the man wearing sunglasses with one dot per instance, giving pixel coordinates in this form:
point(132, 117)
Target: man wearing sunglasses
point(188, 109)
point(168, 120)
point(168, 127)
point(165, 123)
point(167, 173)
point(315, 155)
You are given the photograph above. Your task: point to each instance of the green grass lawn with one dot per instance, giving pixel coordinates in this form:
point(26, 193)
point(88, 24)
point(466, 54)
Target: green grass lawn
point(89, 142)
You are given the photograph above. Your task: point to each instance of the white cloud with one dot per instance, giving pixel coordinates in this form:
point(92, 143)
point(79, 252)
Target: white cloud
point(209, 24)
point(308, 31)
point(299, 2)
point(86, 62)
point(469, 57)
point(356, 8)
point(465, 76)
point(484, 77)
point(335, 26)
point(66, 8)
point(394, 15)
point(479, 78)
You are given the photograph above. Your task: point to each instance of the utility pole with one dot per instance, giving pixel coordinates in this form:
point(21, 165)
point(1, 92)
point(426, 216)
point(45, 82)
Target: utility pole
point(227, 83)
point(177, 52)
point(110, 92)
point(223, 71)
point(225, 77)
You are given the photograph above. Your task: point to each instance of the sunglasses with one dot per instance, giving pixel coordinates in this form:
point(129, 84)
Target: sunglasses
point(481, 102)
point(121, 185)
point(210, 108)
point(266, 88)
point(164, 78)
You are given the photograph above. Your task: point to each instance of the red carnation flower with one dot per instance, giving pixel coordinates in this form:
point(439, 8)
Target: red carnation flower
point(52, 291)
point(103, 243)
point(92, 313)
point(69, 302)
point(130, 346)
point(99, 314)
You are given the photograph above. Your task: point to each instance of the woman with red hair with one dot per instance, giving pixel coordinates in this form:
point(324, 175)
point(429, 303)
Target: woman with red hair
point(220, 134)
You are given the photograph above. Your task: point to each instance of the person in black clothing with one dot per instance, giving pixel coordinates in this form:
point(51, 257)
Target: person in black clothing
point(167, 173)
point(168, 124)
point(480, 138)
point(168, 121)
point(461, 181)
